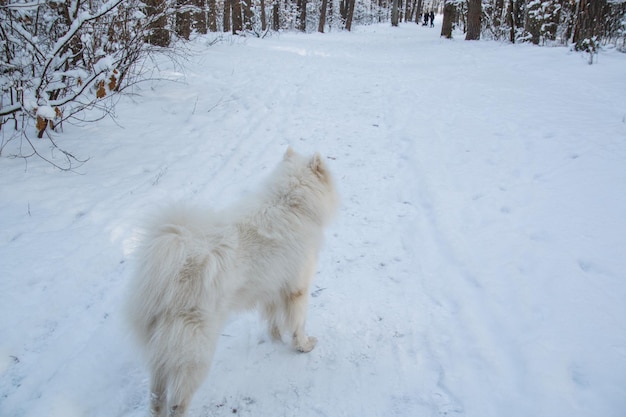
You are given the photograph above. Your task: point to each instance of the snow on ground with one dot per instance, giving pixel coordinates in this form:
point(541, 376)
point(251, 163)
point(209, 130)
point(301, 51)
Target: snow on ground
point(476, 268)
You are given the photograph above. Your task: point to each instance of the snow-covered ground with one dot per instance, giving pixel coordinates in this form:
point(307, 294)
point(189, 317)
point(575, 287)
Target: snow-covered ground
point(477, 267)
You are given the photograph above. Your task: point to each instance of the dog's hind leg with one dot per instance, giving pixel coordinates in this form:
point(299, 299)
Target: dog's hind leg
point(296, 306)
point(187, 380)
point(158, 394)
point(193, 364)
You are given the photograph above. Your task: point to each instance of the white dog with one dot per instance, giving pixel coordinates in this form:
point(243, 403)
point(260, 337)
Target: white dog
point(195, 267)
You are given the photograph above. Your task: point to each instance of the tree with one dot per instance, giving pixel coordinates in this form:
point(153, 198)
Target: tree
point(394, 13)
point(212, 16)
point(418, 12)
point(263, 17)
point(248, 14)
point(474, 14)
point(449, 15)
point(301, 15)
point(511, 20)
point(275, 16)
point(346, 9)
point(236, 15)
point(200, 23)
point(183, 19)
point(408, 9)
point(226, 17)
point(589, 19)
point(156, 11)
point(322, 22)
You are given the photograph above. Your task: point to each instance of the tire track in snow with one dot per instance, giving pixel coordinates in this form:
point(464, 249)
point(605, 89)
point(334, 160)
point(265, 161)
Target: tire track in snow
point(466, 338)
point(423, 248)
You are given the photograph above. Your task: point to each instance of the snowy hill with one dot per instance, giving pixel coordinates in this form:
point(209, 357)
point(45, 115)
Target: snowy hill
point(477, 267)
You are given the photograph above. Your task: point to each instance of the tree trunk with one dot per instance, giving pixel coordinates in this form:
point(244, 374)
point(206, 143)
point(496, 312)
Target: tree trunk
point(474, 15)
point(200, 16)
point(247, 14)
point(322, 22)
point(350, 14)
point(227, 13)
point(301, 20)
point(409, 17)
point(237, 22)
point(263, 17)
point(449, 14)
point(346, 9)
point(532, 25)
point(394, 13)
point(510, 19)
point(589, 19)
point(418, 12)
point(158, 33)
point(212, 15)
point(183, 20)
point(275, 16)
point(407, 10)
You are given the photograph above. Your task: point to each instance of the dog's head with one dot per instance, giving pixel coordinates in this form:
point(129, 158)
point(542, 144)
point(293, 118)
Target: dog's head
point(311, 185)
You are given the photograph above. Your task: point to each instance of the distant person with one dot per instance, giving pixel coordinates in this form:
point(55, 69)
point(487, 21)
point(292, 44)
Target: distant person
point(432, 19)
point(425, 19)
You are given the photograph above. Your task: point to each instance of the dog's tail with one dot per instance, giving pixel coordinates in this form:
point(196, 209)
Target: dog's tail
point(177, 260)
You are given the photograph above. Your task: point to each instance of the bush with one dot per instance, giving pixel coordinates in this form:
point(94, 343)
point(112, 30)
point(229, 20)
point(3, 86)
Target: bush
point(60, 61)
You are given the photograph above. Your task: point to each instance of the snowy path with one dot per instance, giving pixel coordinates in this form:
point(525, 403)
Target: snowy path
point(476, 267)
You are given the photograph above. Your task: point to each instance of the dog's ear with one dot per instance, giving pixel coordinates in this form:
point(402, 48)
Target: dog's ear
point(318, 167)
point(289, 153)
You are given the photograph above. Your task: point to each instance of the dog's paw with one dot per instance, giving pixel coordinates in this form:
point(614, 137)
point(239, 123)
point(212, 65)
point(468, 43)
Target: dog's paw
point(305, 346)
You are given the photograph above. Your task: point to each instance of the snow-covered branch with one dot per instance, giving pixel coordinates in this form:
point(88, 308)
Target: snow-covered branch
point(63, 42)
point(60, 58)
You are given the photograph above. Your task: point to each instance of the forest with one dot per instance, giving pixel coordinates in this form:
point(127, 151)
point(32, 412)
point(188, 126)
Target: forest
point(61, 57)
point(475, 267)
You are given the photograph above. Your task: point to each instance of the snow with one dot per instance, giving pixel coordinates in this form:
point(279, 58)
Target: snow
point(476, 268)
point(46, 112)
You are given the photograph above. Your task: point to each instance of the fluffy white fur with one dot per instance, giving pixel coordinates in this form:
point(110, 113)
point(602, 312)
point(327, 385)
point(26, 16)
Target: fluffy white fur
point(194, 267)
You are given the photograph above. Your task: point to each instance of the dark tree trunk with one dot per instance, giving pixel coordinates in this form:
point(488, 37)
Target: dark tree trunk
point(407, 10)
point(200, 16)
point(418, 12)
point(263, 17)
point(449, 14)
point(589, 19)
point(320, 27)
point(511, 21)
point(301, 7)
point(247, 14)
point(474, 15)
point(227, 13)
point(346, 9)
point(212, 15)
point(183, 20)
point(158, 34)
point(411, 13)
point(512, 18)
point(532, 25)
point(236, 11)
point(275, 16)
point(350, 14)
